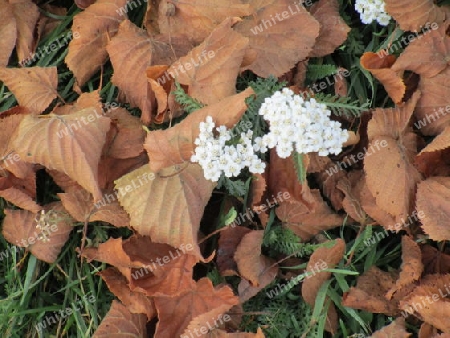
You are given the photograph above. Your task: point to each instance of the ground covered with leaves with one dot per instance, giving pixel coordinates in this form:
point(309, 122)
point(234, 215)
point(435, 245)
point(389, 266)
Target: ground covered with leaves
point(270, 168)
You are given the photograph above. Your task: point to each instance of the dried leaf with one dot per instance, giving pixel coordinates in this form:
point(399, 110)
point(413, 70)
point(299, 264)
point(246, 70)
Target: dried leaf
point(390, 173)
point(210, 69)
point(434, 105)
point(411, 268)
point(251, 264)
point(26, 14)
point(74, 152)
point(429, 301)
point(175, 313)
point(411, 15)
point(131, 52)
point(196, 19)
point(135, 302)
point(333, 29)
point(383, 71)
point(95, 26)
point(368, 295)
point(268, 37)
point(228, 242)
point(120, 322)
point(433, 195)
point(20, 228)
point(80, 205)
point(34, 88)
point(8, 32)
point(20, 199)
point(306, 222)
point(130, 136)
point(170, 207)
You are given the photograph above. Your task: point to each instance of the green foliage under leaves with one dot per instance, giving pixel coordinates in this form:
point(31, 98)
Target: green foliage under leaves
point(188, 103)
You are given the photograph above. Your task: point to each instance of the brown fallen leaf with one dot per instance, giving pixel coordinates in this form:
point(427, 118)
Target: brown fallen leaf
point(434, 261)
point(250, 262)
point(135, 302)
point(370, 290)
point(80, 205)
point(382, 69)
point(34, 88)
point(432, 197)
point(196, 19)
point(20, 199)
point(94, 26)
point(44, 239)
point(9, 159)
point(8, 32)
point(433, 159)
point(228, 242)
point(412, 15)
point(351, 202)
point(176, 313)
point(210, 69)
point(25, 14)
point(119, 321)
point(390, 174)
point(411, 268)
point(170, 206)
point(269, 36)
point(74, 144)
point(305, 222)
point(130, 135)
point(429, 301)
point(333, 29)
point(130, 51)
point(283, 179)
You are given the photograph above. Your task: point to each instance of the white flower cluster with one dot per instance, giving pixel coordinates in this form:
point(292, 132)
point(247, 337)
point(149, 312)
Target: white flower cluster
point(215, 156)
point(303, 125)
point(370, 10)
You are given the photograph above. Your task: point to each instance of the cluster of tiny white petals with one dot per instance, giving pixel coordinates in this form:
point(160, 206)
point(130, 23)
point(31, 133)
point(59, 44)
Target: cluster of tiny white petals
point(296, 124)
point(216, 157)
point(370, 10)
